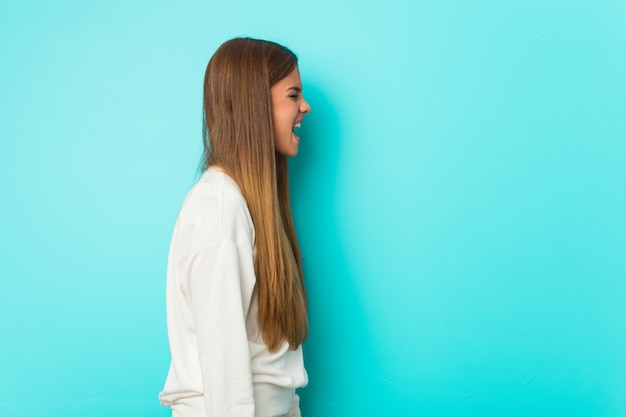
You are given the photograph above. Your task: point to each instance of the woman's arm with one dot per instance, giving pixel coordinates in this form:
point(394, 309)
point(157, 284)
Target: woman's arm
point(221, 281)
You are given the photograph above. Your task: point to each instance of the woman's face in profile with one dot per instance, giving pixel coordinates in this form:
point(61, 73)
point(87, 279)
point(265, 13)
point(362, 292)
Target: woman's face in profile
point(288, 109)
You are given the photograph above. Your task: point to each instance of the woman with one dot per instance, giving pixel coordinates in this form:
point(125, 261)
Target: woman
point(236, 302)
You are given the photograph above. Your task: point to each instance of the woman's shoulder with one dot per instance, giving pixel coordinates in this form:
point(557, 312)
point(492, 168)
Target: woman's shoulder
point(218, 184)
point(216, 209)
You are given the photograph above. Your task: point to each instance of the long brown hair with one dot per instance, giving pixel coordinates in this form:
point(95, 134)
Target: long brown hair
point(239, 138)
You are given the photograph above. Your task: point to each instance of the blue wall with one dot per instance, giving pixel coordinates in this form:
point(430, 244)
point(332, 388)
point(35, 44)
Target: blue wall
point(459, 194)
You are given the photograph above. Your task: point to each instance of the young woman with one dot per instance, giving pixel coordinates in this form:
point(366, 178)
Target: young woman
point(236, 303)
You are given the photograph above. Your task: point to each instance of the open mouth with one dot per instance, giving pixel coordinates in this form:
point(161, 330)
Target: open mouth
point(293, 130)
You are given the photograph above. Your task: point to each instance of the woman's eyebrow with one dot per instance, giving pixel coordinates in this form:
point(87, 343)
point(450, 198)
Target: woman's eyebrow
point(295, 88)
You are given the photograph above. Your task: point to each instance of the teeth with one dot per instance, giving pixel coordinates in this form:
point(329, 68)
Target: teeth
point(297, 126)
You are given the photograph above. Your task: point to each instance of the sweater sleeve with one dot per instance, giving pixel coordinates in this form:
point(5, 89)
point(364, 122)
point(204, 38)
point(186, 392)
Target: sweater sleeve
point(219, 287)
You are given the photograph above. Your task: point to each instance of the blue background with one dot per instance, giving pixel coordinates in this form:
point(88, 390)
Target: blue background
point(459, 196)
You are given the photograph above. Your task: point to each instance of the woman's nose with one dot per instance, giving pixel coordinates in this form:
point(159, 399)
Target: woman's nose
point(304, 107)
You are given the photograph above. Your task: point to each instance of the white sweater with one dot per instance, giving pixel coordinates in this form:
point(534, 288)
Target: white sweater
point(220, 366)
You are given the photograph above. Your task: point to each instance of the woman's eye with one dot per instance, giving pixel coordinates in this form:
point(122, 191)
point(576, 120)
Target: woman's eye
point(293, 96)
